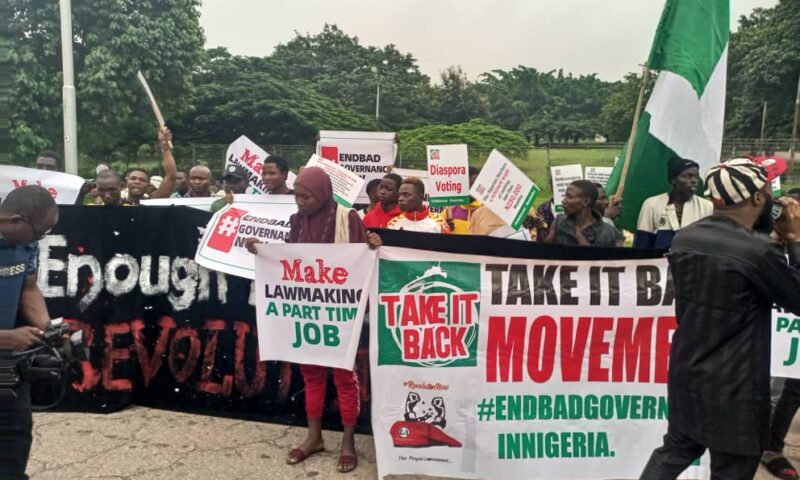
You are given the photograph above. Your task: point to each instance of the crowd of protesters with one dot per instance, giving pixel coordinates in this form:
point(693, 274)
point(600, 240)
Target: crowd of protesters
point(718, 384)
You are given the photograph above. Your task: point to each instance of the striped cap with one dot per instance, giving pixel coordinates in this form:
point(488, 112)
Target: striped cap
point(736, 180)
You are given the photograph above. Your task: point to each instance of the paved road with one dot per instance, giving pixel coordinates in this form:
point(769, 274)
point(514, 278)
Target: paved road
point(145, 444)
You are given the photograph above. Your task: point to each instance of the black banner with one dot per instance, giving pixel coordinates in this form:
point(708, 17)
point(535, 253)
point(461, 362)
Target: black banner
point(167, 333)
point(163, 331)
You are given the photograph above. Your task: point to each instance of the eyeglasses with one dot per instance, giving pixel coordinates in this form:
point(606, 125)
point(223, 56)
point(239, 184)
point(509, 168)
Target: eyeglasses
point(38, 235)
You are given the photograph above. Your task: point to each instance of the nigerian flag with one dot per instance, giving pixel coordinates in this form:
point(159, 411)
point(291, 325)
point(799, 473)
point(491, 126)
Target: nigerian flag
point(685, 113)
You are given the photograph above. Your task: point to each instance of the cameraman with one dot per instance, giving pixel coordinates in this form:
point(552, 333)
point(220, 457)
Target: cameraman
point(26, 215)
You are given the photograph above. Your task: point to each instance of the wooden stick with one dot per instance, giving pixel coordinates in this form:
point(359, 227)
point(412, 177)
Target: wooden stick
point(156, 110)
point(793, 147)
point(624, 175)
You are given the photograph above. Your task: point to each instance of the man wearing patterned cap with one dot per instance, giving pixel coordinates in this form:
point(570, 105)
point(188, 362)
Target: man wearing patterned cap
point(727, 276)
point(663, 215)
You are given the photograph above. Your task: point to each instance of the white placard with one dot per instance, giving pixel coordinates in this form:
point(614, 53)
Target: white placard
point(505, 190)
point(246, 153)
point(367, 154)
point(310, 301)
point(448, 167)
point(266, 217)
point(599, 174)
point(63, 187)
point(346, 184)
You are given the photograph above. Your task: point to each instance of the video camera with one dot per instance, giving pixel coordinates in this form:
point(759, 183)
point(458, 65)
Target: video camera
point(47, 363)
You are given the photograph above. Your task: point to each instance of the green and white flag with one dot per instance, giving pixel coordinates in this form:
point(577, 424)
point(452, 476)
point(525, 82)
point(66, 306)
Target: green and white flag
point(686, 110)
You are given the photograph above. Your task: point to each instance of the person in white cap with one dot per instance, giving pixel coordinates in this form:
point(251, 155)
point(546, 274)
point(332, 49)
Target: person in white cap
point(727, 276)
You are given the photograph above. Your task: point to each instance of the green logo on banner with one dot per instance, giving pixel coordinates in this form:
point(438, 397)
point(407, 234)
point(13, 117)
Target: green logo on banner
point(428, 313)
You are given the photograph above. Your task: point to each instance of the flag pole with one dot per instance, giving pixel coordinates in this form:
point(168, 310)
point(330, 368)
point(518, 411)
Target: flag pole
point(624, 175)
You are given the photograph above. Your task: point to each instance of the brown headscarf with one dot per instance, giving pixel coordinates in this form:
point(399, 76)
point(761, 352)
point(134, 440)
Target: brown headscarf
point(320, 226)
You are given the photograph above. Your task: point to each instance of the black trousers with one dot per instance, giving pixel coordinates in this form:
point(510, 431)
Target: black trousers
point(679, 451)
point(16, 424)
point(783, 414)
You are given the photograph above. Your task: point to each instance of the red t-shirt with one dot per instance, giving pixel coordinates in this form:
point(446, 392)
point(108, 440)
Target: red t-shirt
point(377, 218)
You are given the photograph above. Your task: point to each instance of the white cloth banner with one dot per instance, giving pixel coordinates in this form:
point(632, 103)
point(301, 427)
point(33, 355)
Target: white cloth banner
point(487, 367)
point(346, 184)
point(63, 187)
point(310, 301)
point(505, 189)
point(246, 153)
point(367, 154)
point(265, 217)
point(785, 344)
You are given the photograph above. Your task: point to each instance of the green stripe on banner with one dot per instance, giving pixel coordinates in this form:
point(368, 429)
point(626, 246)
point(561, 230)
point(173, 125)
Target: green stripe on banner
point(449, 201)
point(690, 39)
point(341, 201)
point(526, 207)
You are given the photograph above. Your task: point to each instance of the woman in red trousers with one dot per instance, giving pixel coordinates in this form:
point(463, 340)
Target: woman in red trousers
point(319, 219)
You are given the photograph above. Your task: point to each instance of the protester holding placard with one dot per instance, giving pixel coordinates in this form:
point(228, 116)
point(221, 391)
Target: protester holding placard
point(581, 224)
point(320, 219)
point(663, 215)
point(416, 217)
point(387, 207)
point(274, 174)
point(727, 276)
point(234, 181)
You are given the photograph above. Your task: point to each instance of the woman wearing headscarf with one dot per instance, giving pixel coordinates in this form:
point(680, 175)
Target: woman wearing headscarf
point(319, 219)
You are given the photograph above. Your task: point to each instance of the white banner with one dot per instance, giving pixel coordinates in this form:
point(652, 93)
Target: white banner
point(367, 154)
point(785, 344)
point(246, 153)
point(63, 187)
point(487, 367)
point(265, 217)
point(310, 302)
point(598, 174)
point(505, 190)
point(448, 171)
point(346, 184)
point(562, 176)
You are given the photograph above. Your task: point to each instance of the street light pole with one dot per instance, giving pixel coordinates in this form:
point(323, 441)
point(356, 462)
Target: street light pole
point(68, 91)
point(377, 96)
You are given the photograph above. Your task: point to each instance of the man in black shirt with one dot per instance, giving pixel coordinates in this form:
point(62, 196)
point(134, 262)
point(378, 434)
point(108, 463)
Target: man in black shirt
point(581, 224)
point(727, 276)
point(26, 215)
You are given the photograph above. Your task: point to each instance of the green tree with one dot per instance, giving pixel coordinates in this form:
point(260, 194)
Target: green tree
point(616, 116)
point(112, 40)
point(339, 67)
point(458, 100)
point(235, 96)
point(764, 65)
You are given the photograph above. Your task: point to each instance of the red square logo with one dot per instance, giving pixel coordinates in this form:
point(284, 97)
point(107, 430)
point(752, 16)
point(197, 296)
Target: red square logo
point(226, 229)
point(331, 153)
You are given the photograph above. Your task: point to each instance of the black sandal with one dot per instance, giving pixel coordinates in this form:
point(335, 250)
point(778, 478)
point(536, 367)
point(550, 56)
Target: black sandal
point(781, 468)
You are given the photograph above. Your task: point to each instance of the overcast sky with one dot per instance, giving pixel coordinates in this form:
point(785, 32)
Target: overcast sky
point(607, 37)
